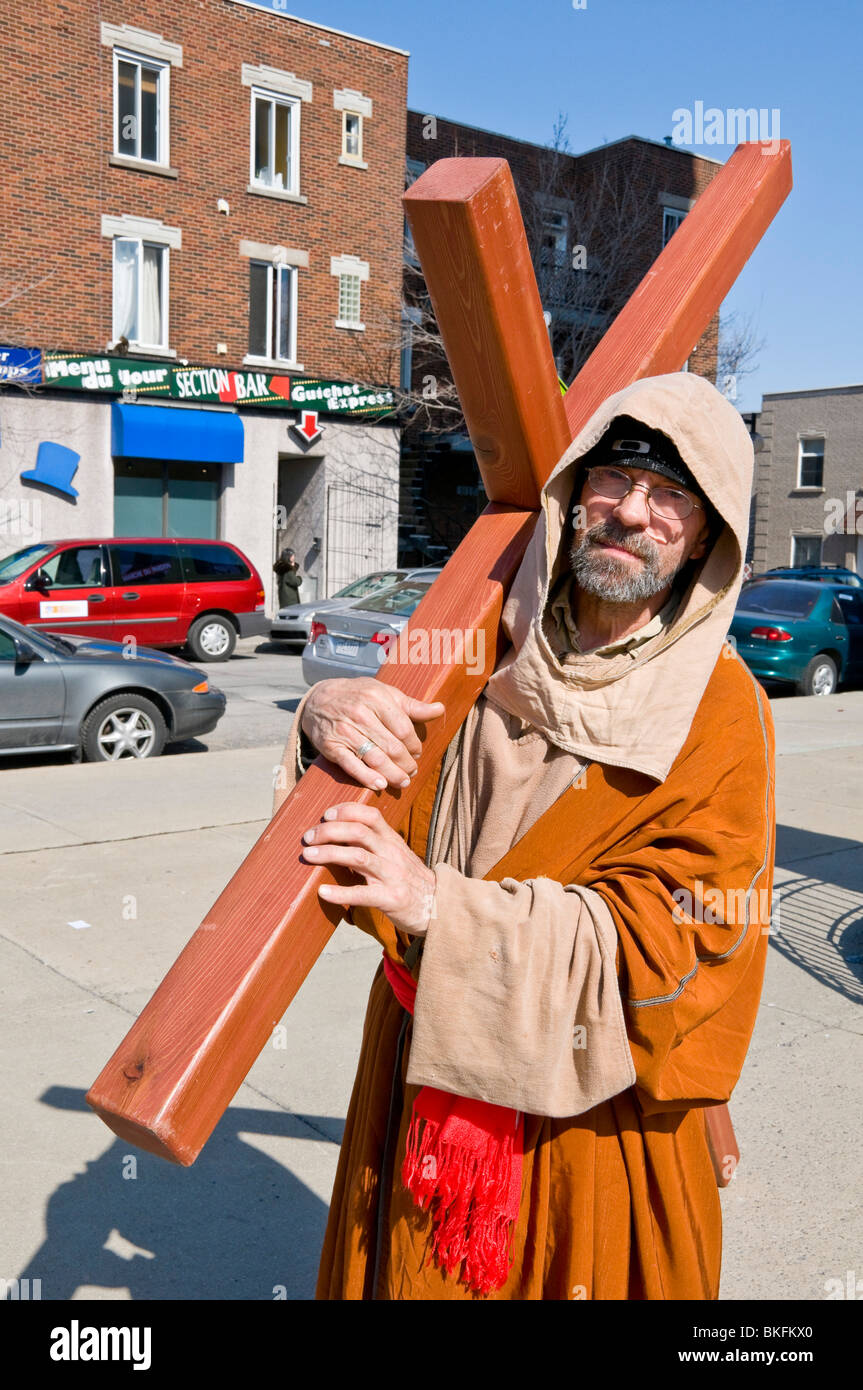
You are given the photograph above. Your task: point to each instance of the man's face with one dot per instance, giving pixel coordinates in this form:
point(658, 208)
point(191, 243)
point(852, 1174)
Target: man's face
point(623, 552)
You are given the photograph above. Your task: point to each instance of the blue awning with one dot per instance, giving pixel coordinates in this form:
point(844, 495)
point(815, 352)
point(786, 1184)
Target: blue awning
point(163, 432)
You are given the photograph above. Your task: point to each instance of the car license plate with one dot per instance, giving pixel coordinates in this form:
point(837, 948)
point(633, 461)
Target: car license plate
point(346, 648)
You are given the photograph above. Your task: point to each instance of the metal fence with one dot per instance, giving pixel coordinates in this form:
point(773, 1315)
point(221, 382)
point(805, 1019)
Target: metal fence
point(361, 532)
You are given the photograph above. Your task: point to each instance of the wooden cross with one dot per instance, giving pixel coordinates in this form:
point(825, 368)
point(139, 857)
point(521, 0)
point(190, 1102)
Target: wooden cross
point(177, 1069)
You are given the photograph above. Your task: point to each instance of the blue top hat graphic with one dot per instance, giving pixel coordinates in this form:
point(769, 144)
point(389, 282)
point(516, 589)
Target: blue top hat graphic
point(55, 467)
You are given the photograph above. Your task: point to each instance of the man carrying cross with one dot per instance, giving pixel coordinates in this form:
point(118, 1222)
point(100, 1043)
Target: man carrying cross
point(556, 1007)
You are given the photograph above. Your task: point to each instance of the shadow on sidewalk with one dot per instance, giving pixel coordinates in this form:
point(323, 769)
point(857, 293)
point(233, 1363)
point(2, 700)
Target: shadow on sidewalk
point(819, 922)
point(235, 1225)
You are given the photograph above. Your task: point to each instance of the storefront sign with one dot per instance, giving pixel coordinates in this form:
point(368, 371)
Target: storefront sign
point(135, 380)
point(20, 364)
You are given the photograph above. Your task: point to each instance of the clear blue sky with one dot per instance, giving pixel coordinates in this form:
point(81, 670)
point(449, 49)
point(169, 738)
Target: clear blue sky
point(621, 67)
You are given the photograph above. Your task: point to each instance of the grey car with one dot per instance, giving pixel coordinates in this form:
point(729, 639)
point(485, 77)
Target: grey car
point(294, 622)
point(355, 640)
point(63, 692)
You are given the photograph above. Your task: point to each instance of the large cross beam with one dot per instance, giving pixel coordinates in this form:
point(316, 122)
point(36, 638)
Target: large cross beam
point(173, 1075)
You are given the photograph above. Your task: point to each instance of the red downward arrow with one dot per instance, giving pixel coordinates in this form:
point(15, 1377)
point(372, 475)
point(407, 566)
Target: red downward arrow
point(309, 425)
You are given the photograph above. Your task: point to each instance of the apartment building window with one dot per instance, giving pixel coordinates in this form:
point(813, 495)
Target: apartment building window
point(352, 134)
point(805, 550)
point(351, 272)
point(671, 220)
point(140, 271)
point(272, 312)
point(275, 142)
point(274, 137)
point(563, 293)
point(142, 64)
point(356, 110)
point(349, 300)
point(555, 236)
point(141, 107)
point(140, 292)
point(810, 463)
point(415, 167)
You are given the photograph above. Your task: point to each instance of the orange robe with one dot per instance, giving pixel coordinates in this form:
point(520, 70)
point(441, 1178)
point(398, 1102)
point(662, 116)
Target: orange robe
point(619, 1202)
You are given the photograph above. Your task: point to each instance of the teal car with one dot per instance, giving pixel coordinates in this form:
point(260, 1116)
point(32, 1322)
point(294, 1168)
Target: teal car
point(804, 632)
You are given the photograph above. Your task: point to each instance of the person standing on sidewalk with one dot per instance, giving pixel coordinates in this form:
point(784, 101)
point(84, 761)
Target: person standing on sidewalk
point(287, 570)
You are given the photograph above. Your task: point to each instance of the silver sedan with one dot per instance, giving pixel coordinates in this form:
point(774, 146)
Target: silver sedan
point(100, 698)
point(356, 640)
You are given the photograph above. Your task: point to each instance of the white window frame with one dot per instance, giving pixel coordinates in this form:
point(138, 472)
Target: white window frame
point(273, 268)
point(346, 154)
point(137, 344)
point(294, 103)
point(163, 106)
point(671, 220)
point(801, 440)
point(352, 103)
point(341, 266)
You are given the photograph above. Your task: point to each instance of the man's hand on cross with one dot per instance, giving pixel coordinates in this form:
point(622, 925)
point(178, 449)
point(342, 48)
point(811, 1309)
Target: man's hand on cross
point(396, 880)
point(342, 715)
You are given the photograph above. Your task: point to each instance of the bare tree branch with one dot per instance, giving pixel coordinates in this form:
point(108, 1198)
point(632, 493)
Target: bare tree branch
point(24, 289)
point(738, 352)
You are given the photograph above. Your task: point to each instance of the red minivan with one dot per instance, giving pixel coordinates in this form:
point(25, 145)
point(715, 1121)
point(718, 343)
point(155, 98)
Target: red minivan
point(160, 591)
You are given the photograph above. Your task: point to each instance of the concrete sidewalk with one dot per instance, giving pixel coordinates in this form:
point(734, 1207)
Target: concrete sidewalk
point(108, 869)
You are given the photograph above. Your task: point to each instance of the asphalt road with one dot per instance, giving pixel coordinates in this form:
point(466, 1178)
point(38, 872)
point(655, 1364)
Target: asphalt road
point(264, 684)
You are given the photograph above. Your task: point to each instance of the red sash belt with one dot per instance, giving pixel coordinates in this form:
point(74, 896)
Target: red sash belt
point(463, 1164)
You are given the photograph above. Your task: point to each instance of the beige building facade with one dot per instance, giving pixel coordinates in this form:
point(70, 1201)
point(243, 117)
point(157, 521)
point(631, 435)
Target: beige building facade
point(808, 502)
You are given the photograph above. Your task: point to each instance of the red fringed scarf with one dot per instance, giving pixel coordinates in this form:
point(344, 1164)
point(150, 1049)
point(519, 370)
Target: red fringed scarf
point(464, 1165)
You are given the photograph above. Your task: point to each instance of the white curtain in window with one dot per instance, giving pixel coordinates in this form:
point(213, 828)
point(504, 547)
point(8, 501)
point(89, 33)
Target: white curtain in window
point(151, 296)
point(125, 289)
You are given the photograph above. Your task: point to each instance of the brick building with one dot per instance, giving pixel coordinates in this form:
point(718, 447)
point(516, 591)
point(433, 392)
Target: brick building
point(809, 480)
point(204, 217)
point(595, 223)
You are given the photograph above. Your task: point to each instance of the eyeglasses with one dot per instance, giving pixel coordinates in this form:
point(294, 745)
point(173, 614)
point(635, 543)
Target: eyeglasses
point(668, 502)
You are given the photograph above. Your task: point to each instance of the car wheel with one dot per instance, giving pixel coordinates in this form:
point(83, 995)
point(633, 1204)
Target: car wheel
point(212, 638)
point(820, 676)
point(123, 726)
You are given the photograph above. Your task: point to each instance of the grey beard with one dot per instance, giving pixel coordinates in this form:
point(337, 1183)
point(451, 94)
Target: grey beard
point(611, 579)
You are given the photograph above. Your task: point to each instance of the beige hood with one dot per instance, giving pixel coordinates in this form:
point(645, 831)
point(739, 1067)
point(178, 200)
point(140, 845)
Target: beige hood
point(625, 711)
